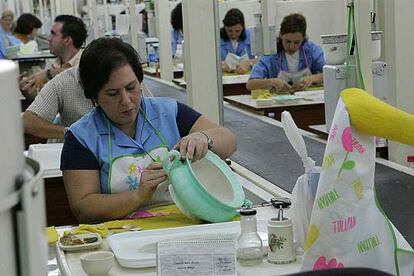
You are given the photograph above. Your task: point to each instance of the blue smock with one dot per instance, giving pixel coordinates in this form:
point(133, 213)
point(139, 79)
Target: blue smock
point(269, 66)
point(92, 133)
point(176, 38)
point(242, 48)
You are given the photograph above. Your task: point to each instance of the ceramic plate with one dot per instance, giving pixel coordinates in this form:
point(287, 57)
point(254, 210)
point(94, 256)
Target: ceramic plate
point(86, 245)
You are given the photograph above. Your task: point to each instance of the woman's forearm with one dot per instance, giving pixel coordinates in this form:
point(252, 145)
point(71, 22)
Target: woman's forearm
point(254, 84)
point(105, 207)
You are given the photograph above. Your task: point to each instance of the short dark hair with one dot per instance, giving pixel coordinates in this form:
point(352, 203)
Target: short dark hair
point(100, 58)
point(292, 23)
point(233, 17)
point(177, 17)
point(74, 27)
point(26, 23)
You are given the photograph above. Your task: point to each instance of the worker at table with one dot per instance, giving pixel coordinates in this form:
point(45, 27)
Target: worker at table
point(111, 158)
point(297, 64)
point(66, 37)
point(177, 37)
point(235, 39)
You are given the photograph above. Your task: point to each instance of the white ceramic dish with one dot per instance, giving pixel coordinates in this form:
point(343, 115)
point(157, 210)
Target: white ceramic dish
point(138, 249)
point(85, 246)
point(97, 263)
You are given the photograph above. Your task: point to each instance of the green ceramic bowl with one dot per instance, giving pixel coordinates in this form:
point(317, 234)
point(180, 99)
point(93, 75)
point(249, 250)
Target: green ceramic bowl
point(207, 189)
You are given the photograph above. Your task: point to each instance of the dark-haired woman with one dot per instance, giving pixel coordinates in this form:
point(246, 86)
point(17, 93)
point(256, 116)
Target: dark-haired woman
point(26, 27)
point(111, 158)
point(235, 39)
point(297, 65)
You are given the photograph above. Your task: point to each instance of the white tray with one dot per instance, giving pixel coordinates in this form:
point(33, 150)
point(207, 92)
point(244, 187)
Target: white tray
point(138, 249)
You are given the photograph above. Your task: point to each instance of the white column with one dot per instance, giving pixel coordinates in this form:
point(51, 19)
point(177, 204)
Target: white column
point(162, 23)
point(266, 7)
point(52, 10)
point(363, 29)
point(201, 57)
point(396, 20)
point(93, 15)
point(133, 20)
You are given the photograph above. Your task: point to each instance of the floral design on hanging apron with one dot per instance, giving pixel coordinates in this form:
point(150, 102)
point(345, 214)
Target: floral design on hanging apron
point(348, 227)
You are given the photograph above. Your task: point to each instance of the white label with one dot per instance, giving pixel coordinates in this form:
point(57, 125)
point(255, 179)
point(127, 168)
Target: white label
point(196, 257)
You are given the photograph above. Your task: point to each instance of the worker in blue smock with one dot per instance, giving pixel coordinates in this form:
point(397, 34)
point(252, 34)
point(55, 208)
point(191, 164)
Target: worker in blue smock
point(296, 66)
point(235, 39)
point(111, 158)
point(177, 38)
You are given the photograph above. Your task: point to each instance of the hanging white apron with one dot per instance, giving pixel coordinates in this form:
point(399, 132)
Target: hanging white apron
point(294, 77)
point(348, 228)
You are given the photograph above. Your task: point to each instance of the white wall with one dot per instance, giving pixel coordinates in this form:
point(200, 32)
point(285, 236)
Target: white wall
point(247, 7)
point(322, 16)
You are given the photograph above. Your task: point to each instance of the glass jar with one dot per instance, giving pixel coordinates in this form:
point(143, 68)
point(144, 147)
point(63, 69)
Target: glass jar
point(249, 243)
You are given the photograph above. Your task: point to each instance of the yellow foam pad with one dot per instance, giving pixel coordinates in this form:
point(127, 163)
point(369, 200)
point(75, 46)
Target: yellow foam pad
point(372, 116)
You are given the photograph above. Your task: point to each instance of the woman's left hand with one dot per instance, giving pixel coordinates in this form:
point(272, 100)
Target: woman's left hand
point(193, 146)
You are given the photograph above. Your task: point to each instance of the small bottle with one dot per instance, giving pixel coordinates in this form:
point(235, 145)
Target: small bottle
point(280, 238)
point(152, 57)
point(249, 243)
point(410, 161)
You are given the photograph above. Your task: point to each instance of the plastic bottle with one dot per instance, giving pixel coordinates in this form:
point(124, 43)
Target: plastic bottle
point(152, 57)
point(249, 243)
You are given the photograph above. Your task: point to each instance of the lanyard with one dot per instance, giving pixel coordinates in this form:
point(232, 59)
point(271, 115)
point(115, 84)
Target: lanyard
point(157, 132)
point(304, 56)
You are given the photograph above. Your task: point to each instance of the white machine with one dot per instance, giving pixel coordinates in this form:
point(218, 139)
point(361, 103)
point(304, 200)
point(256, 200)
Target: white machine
point(23, 242)
point(334, 83)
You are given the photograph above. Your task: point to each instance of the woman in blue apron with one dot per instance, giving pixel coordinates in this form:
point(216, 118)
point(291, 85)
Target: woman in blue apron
point(111, 158)
point(297, 65)
point(235, 40)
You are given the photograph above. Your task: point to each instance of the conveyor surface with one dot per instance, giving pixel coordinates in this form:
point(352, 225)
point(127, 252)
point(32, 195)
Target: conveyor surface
point(264, 149)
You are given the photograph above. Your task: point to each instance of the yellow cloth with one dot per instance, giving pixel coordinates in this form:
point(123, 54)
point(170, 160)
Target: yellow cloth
point(52, 234)
point(374, 117)
point(174, 218)
point(258, 93)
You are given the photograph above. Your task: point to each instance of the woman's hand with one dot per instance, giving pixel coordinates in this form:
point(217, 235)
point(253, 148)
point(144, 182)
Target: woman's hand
point(304, 83)
point(225, 67)
point(151, 177)
point(244, 67)
point(280, 85)
point(193, 146)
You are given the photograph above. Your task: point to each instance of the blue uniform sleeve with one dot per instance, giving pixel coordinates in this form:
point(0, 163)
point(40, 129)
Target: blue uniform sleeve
point(75, 156)
point(318, 61)
point(223, 49)
point(260, 69)
point(186, 117)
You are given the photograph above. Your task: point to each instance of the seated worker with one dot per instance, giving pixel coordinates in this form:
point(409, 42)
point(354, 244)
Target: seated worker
point(62, 95)
point(26, 28)
point(235, 39)
point(111, 156)
point(296, 66)
point(177, 37)
point(7, 38)
point(66, 37)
